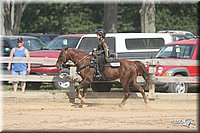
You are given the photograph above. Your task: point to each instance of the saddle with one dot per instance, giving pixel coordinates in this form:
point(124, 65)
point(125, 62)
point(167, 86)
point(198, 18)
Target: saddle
point(113, 63)
point(99, 65)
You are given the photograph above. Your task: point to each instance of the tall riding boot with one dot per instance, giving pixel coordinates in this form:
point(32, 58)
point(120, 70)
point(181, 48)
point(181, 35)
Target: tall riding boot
point(101, 69)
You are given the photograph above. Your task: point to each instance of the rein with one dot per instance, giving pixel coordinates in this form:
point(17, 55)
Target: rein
point(81, 59)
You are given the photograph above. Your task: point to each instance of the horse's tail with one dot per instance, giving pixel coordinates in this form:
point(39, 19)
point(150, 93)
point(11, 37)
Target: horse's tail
point(145, 74)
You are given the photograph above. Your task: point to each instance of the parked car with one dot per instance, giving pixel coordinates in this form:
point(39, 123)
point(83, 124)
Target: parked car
point(178, 34)
point(122, 45)
point(52, 50)
point(179, 50)
point(45, 38)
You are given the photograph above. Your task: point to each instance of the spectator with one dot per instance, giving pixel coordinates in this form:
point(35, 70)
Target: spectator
point(19, 68)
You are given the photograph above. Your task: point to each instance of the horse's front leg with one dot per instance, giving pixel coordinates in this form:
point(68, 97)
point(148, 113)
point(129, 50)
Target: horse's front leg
point(79, 95)
point(84, 84)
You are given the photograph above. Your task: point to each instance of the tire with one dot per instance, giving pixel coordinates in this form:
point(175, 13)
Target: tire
point(101, 87)
point(33, 85)
point(62, 85)
point(178, 87)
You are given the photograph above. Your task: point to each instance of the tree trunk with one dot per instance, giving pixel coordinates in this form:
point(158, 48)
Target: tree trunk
point(2, 20)
point(17, 19)
point(110, 17)
point(12, 13)
point(147, 17)
point(6, 11)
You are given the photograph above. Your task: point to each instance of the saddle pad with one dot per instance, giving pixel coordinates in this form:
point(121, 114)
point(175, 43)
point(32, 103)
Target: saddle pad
point(115, 64)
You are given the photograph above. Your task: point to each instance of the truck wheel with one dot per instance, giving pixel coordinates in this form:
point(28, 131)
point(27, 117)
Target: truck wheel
point(62, 85)
point(101, 87)
point(178, 87)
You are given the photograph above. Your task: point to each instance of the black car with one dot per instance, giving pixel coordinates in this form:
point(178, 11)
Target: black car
point(45, 38)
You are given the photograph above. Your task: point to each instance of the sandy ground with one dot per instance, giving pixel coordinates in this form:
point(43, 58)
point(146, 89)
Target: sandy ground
point(39, 111)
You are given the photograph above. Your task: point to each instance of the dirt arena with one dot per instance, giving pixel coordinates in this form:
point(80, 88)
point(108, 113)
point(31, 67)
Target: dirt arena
point(39, 111)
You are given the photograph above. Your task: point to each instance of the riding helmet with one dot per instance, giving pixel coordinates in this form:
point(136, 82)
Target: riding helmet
point(101, 32)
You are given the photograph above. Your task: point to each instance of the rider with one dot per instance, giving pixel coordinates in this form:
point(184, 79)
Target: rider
point(103, 51)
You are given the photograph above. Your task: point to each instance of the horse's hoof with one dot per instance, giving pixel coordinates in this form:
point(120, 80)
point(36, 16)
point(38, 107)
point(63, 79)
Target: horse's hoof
point(80, 106)
point(146, 100)
point(121, 105)
point(82, 102)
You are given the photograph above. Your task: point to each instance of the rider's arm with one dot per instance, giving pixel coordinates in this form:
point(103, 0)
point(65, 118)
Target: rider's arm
point(105, 46)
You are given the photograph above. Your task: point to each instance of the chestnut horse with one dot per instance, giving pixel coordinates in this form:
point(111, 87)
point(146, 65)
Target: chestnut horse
point(126, 73)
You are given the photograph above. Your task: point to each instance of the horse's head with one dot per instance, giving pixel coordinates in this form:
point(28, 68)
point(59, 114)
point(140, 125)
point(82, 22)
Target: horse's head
point(63, 58)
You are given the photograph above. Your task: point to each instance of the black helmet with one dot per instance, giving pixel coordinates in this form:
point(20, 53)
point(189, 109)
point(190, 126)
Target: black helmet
point(101, 32)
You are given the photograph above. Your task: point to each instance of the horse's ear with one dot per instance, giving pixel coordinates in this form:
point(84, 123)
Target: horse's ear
point(65, 49)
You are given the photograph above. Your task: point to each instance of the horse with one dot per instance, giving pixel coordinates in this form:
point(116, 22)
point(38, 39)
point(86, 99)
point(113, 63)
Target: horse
point(126, 73)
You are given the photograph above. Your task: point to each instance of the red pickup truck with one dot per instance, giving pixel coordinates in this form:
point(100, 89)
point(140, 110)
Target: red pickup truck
point(179, 50)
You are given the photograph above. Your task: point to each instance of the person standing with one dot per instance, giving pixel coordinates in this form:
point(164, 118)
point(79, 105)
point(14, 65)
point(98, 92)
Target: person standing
point(19, 68)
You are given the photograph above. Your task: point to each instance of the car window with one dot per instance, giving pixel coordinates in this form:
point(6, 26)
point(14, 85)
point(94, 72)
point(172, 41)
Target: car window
point(144, 43)
point(188, 35)
point(5, 50)
point(176, 51)
point(45, 39)
point(63, 42)
point(87, 44)
point(30, 43)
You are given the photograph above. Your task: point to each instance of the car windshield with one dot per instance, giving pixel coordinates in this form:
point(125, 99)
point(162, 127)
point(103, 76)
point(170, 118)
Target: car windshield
point(176, 51)
point(62, 42)
point(30, 43)
point(177, 37)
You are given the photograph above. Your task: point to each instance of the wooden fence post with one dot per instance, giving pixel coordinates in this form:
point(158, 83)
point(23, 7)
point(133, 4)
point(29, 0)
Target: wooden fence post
point(152, 68)
point(71, 93)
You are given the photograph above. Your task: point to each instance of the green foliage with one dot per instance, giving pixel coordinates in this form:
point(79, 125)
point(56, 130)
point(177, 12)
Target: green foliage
point(61, 18)
point(85, 18)
point(128, 18)
point(176, 16)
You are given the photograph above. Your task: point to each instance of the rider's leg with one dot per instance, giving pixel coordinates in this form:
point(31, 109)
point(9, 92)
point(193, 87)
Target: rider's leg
point(101, 64)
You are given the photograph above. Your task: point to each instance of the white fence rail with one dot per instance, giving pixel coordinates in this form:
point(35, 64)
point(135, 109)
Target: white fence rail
point(51, 61)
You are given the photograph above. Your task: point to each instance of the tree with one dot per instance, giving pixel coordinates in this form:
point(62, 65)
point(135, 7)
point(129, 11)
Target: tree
point(176, 17)
point(110, 17)
point(86, 18)
point(147, 16)
point(11, 15)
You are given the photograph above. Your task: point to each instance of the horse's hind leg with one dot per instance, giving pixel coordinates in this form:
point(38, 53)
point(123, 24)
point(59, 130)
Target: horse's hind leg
point(141, 89)
point(127, 93)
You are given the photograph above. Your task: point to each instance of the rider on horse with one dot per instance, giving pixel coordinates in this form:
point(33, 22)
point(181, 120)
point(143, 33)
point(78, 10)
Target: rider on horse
point(101, 53)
